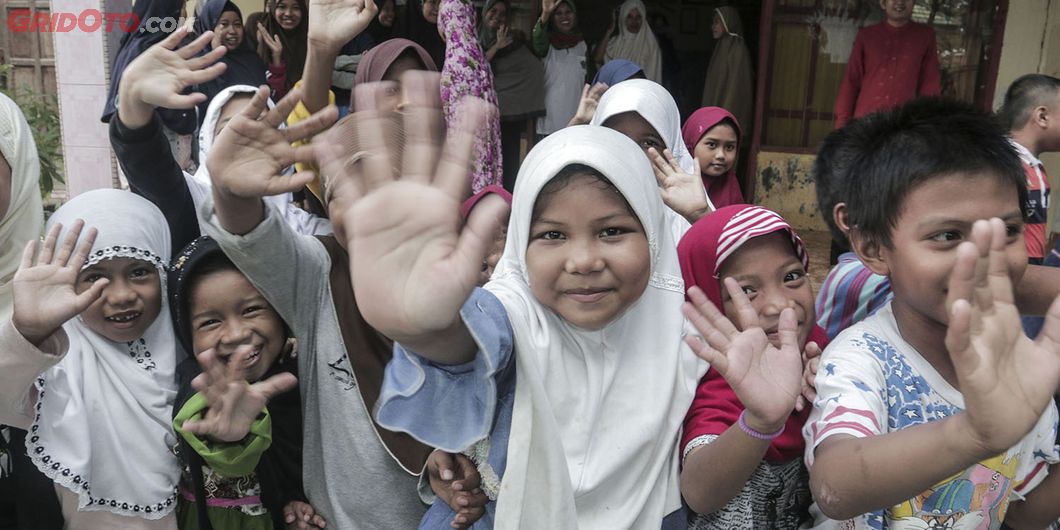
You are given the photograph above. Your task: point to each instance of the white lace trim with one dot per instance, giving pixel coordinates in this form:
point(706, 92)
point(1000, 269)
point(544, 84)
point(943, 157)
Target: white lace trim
point(479, 454)
point(667, 283)
point(124, 251)
point(696, 442)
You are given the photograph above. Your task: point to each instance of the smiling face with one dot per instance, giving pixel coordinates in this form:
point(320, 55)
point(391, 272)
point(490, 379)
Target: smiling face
point(716, 150)
point(229, 30)
point(288, 13)
point(228, 312)
point(430, 11)
point(772, 276)
point(130, 302)
point(588, 258)
point(634, 20)
point(563, 18)
point(386, 13)
point(897, 12)
point(496, 16)
point(637, 129)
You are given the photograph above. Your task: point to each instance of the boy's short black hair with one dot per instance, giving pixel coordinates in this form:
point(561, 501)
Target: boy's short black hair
point(1024, 95)
point(916, 142)
point(830, 177)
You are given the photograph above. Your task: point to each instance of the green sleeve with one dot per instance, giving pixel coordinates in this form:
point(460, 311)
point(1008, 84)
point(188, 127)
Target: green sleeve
point(539, 39)
point(228, 459)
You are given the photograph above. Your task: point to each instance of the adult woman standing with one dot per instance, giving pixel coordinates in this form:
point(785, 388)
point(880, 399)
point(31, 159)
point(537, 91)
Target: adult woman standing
point(558, 40)
point(729, 77)
point(518, 77)
point(282, 41)
point(635, 42)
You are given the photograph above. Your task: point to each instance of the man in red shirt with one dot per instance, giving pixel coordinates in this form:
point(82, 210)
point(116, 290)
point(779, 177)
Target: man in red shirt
point(892, 62)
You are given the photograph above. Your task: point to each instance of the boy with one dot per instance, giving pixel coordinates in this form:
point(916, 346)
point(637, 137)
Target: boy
point(892, 62)
point(940, 387)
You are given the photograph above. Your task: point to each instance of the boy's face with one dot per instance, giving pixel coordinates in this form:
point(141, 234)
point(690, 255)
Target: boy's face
point(897, 12)
point(935, 217)
point(587, 259)
point(130, 302)
point(228, 312)
point(772, 276)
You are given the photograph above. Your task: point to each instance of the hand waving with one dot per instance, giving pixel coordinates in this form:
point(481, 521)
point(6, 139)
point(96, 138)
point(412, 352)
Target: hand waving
point(1006, 379)
point(333, 23)
point(159, 75)
point(768, 380)
point(233, 402)
point(44, 288)
point(682, 192)
point(272, 42)
point(251, 153)
point(587, 105)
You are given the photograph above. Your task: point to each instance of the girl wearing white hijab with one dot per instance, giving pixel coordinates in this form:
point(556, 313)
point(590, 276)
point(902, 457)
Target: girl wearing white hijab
point(97, 393)
point(572, 404)
point(635, 42)
point(22, 216)
point(647, 113)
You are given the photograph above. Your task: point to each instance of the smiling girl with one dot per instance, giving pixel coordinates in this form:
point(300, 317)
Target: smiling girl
point(712, 135)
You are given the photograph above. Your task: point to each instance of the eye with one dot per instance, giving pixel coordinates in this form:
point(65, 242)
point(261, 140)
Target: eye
point(550, 235)
point(652, 142)
point(730, 148)
point(748, 290)
point(946, 236)
point(92, 277)
point(613, 231)
point(140, 272)
point(252, 310)
point(712, 145)
point(207, 323)
point(794, 276)
point(1014, 229)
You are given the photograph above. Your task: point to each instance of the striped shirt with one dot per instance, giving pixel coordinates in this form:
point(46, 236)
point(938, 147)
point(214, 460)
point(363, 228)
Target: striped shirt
point(850, 293)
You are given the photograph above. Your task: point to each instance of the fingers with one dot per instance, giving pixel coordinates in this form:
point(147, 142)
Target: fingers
point(746, 315)
point(810, 352)
point(716, 359)
point(47, 251)
point(424, 124)
point(981, 236)
point(597, 91)
point(443, 465)
point(998, 279)
point(659, 166)
point(484, 224)
point(958, 337)
point(279, 113)
point(193, 48)
point(470, 479)
point(453, 174)
point(89, 296)
point(709, 320)
point(309, 127)
point(276, 385)
point(67, 250)
point(258, 103)
point(374, 122)
point(1049, 336)
point(788, 330)
point(961, 285)
point(28, 252)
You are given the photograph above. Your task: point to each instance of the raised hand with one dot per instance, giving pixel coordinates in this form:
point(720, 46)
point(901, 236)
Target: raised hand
point(547, 8)
point(250, 155)
point(811, 359)
point(233, 403)
point(159, 76)
point(298, 515)
point(504, 37)
point(767, 379)
point(455, 480)
point(587, 105)
point(1006, 379)
point(682, 192)
point(333, 23)
point(44, 287)
point(410, 252)
point(272, 42)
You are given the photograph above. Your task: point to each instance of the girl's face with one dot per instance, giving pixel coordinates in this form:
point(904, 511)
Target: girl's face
point(130, 302)
point(638, 129)
point(717, 29)
point(634, 20)
point(587, 259)
point(386, 14)
point(497, 16)
point(563, 18)
point(227, 312)
point(773, 277)
point(229, 31)
point(288, 13)
point(430, 11)
point(716, 150)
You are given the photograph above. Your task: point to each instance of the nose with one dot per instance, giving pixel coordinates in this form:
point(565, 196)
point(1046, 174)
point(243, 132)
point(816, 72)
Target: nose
point(235, 333)
point(119, 293)
point(583, 258)
point(773, 302)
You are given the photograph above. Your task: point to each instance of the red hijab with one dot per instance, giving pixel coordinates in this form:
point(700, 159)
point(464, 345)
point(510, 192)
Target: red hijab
point(702, 250)
point(724, 190)
point(465, 209)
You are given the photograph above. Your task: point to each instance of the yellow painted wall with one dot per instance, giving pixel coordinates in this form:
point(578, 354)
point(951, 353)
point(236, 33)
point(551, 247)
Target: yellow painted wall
point(785, 186)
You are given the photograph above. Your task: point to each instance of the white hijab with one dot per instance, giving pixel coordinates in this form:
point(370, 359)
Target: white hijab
point(653, 103)
point(102, 425)
point(25, 214)
point(641, 47)
point(597, 413)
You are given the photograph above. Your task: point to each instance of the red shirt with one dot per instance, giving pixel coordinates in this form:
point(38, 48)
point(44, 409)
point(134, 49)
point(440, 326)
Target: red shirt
point(1038, 205)
point(888, 66)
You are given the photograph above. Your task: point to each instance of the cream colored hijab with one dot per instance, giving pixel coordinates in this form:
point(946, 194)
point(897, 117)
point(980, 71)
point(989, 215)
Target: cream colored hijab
point(24, 219)
point(597, 414)
point(641, 47)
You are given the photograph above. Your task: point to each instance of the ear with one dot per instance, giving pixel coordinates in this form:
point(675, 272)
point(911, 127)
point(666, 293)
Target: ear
point(1040, 116)
point(870, 252)
point(839, 215)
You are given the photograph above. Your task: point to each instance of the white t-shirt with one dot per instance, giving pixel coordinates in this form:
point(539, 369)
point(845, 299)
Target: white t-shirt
point(871, 381)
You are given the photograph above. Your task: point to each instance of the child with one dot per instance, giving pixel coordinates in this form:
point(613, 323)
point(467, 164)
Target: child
point(946, 394)
point(712, 135)
point(99, 412)
point(737, 475)
point(218, 314)
point(583, 311)
point(646, 113)
point(244, 67)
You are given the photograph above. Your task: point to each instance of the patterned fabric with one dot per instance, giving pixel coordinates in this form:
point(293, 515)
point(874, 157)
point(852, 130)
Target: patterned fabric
point(1037, 201)
point(776, 496)
point(871, 382)
point(850, 293)
point(467, 73)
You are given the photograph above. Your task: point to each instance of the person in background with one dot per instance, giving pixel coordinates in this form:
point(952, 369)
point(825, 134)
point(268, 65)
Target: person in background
point(892, 62)
point(242, 64)
point(519, 79)
point(635, 41)
point(281, 43)
point(730, 83)
point(382, 28)
point(557, 39)
point(712, 135)
point(616, 71)
point(419, 24)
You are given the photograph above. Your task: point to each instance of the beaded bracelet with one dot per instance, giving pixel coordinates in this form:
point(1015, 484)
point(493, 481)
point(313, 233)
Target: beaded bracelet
point(755, 434)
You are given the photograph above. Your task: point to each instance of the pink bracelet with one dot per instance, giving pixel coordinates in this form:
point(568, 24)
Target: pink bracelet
point(755, 434)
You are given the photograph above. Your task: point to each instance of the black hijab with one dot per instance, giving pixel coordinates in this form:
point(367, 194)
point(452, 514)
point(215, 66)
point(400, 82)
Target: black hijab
point(244, 65)
point(414, 27)
point(294, 42)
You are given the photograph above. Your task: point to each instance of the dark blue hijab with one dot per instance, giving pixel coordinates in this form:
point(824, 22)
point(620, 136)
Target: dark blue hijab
point(244, 65)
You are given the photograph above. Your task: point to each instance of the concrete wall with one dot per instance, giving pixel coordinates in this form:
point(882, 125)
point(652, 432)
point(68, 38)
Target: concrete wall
point(784, 185)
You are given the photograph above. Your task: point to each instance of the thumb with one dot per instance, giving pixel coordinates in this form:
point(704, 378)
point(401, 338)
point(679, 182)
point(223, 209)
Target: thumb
point(787, 329)
point(88, 297)
point(445, 465)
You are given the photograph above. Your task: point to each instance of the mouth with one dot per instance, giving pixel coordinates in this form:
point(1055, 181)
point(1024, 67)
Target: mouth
point(251, 360)
point(231, 41)
point(123, 320)
point(717, 167)
point(288, 22)
point(587, 295)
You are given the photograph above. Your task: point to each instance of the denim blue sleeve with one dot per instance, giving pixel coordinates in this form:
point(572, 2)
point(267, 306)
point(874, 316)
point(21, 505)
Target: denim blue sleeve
point(452, 406)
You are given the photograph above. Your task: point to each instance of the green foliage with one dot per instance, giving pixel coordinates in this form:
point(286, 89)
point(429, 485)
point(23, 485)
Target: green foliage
point(42, 114)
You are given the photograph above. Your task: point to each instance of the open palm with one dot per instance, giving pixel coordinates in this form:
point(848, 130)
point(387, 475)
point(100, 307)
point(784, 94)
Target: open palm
point(767, 379)
point(682, 192)
point(1007, 380)
point(164, 71)
point(333, 23)
point(44, 287)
